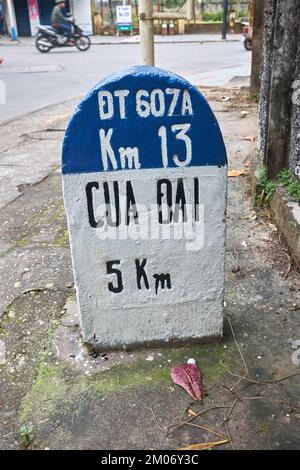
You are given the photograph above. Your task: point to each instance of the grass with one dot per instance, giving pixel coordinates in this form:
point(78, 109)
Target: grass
point(265, 189)
point(214, 17)
point(26, 434)
point(288, 181)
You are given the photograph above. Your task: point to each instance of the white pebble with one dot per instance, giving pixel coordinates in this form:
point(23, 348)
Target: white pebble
point(191, 361)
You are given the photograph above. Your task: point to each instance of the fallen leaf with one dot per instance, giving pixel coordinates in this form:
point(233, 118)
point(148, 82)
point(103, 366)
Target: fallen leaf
point(273, 227)
point(188, 376)
point(190, 412)
point(235, 173)
point(243, 114)
point(251, 138)
point(204, 445)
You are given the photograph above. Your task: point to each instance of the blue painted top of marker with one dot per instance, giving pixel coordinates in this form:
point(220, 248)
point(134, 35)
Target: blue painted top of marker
point(142, 118)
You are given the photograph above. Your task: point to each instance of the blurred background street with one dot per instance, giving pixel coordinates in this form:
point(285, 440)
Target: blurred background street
point(34, 80)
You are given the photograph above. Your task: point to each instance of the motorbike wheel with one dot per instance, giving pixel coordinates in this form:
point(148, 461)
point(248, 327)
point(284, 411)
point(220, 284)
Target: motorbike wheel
point(39, 44)
point(248, 44)
point(83, 43)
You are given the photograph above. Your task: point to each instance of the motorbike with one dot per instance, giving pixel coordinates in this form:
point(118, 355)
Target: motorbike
point(247, 33)
point(48, 38)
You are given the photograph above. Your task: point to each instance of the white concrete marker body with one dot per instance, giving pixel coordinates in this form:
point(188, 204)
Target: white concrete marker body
point(153, 277)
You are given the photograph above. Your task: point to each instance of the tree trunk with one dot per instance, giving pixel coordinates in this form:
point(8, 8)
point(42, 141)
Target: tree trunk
point(280, 68)
point(258, 29)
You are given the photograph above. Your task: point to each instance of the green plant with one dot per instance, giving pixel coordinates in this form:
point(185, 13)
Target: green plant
point(265, 189)
point(213, 17)
point(287, 180)
point(26, 434)
point(244, 14)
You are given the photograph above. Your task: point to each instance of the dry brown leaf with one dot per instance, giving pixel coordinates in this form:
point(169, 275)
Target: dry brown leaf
point(250, 138)
point(235, 173)
point(204, 445)
point(190, 412)
point(243, 114)
point(273, 227)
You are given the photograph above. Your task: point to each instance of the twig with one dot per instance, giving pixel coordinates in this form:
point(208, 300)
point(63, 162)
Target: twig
point(162, 430)
point(237, 345)
point(207, 430)
point(271, 400)
point(294, 309)
point(228, 415)
point(229, 435)
point(268, 382)
point(196, 416)
point(235, 385)
point(230, 411)
point(157, 422)
point(258, 382)
point(241, 377)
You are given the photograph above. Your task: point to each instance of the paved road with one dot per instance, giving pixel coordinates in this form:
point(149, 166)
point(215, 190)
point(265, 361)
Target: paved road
point(34, 80)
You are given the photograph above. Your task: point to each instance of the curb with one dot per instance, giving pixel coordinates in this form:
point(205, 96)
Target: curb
point(286, 214)
point(46, 106)
point(10, 43)
point(108, 43)
point(217, 41)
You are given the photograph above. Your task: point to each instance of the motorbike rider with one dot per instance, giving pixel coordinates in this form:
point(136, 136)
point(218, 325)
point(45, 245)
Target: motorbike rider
point(59, 22)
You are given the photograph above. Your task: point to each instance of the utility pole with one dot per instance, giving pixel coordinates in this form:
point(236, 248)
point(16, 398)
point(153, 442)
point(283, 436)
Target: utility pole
point(146, 31)
point(225, 14)
point(146, 18)
point(101, 11)
point(13, 29)
point(190, 10)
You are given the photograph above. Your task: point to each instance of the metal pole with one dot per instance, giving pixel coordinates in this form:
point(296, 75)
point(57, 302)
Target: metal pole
point(190, 10)
point(13, 29)
point(225, 13)
point(146, 32)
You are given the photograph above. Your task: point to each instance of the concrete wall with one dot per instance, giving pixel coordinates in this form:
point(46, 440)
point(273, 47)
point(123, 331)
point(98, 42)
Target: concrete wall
point(209, 28)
